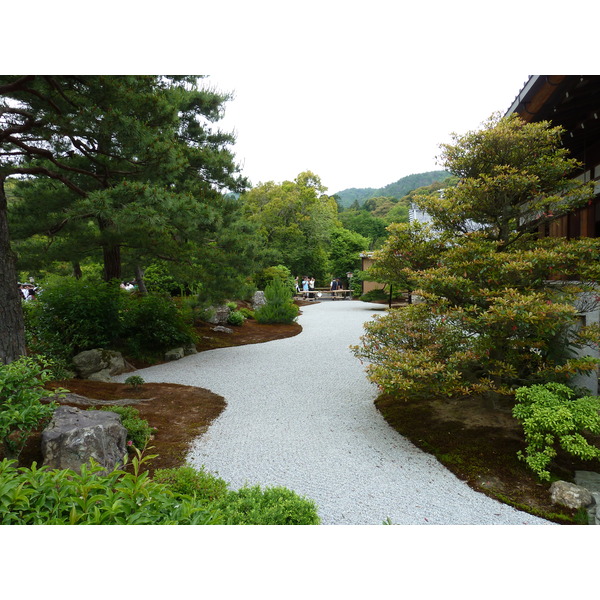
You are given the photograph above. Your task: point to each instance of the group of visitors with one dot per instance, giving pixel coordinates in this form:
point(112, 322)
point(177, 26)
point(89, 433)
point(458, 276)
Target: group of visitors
point(307, 288)
point(28, 290)
point(128, 286)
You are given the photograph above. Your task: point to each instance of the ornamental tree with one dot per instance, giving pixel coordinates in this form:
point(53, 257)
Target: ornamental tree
point(500, 306)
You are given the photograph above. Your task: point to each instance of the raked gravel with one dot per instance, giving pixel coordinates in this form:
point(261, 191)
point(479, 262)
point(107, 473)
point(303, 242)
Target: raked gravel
point(300, 414)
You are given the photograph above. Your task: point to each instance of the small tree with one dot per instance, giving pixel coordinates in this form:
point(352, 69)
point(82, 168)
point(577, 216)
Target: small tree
point(280, 307)
point(499, 308)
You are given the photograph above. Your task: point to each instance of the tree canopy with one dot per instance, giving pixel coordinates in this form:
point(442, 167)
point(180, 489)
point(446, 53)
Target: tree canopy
point(130, 165)
point(498, 304)
point(296, 220)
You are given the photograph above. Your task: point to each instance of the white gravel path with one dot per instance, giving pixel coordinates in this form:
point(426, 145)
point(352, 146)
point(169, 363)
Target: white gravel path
point(300, 414)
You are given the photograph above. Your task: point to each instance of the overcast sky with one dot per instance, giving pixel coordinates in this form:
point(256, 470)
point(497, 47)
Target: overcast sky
point(353, 131)
point(360, 93)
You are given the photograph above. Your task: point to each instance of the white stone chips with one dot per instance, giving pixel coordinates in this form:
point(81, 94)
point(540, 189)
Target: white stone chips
point(300, 414)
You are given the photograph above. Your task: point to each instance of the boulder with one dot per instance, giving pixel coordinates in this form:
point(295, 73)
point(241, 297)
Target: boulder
point(174, 354)
point(570, 495)
point(74, 436)
point(220, 315)
point(189, 350)
point(222, 329)
point(94, 361)
point(258, 300)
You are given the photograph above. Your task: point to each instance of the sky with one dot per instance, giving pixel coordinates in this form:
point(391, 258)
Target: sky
point(355, 132)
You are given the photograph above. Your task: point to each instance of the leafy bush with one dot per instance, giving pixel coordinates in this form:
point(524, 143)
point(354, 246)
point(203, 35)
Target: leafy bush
point(375, 295)
point(21, 389)
point(271, 506)
point(153, 324)
point(551, 414)
point(73, 315)
point(413, 354)
point(231, 305)
point(236, 318)
point(247, 506)
point(32, 496)
point(139, 431)
point(158, 280)
point(247, 313)
point(135, 381)
point(188, 480)
point(279, 307)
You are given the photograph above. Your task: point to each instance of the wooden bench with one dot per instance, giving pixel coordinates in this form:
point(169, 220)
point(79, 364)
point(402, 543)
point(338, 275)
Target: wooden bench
point(325, 293)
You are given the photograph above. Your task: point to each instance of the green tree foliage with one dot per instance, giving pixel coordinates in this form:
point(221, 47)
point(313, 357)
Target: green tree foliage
point(552, 415)
point(514, 176)
point(345, 249)
point(118, 165)
point(410, 249)
point(365, 224)
point(295, 220)
point(499, 306)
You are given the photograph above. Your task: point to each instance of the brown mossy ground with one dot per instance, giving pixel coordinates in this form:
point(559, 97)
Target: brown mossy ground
point(477, 440)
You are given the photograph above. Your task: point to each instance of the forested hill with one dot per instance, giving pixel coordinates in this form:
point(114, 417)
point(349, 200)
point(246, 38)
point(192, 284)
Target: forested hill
point(395, 190)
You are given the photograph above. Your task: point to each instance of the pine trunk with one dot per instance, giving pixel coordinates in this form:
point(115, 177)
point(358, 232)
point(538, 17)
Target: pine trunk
point(12, 326)
point(139, 278)
point(111, 253)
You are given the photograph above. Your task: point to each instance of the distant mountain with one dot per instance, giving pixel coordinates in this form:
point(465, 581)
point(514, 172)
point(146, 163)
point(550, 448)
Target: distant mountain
point(397, 189)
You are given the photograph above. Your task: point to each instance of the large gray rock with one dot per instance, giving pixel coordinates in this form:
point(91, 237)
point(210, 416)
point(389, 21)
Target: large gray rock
point(74, 436)
point(220, 315)
point(570, 495)
point(90, 362)
point(174, 354)
point(258, 300)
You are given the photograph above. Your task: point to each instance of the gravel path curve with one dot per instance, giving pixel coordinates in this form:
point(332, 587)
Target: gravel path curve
point(300, 414)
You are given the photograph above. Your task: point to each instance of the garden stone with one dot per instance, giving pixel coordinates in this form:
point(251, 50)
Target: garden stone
point(570, 495)
point(222, 329)
point(103, 375)
point(74, 436)
point(220, 316)
point(189, 350)
point(92, 361)
point(174, 354)
point(258, 300)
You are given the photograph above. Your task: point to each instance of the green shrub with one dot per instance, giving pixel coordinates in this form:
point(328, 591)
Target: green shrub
point(231, 305)
point(279, 307)
point(271, 506)
point(551, 414)
point(236, 318)
point(73, 315)
point(247, 313)
point(135, 381)
point(192, 482)
point(153, 324)
point(21, 389)
point(139, 431)
point(158, 280)
point(375, 296)
point(32, 496)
